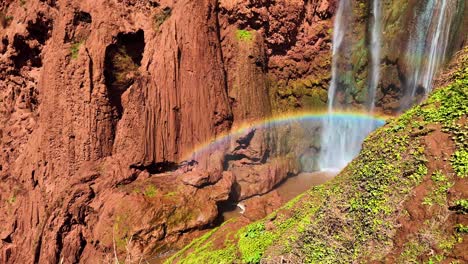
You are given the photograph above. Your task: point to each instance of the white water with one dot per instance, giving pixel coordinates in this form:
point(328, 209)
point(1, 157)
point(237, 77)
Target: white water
point(438, 45)
point(427, 47)
point(375, 53)
point(338, 37)
point(342, 137)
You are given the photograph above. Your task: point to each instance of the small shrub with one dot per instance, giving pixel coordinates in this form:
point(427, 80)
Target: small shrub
point(461, 206)
point(74, 49)
point(461, 229)
point(5, 20)
point(150, 191)
point(160, 17)
point(244, 35)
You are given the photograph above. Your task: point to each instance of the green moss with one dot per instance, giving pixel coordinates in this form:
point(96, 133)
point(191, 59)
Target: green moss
point(244, 35)
point(160, 17)
point(460, 228)
point(170, 194)
point(11, 200)
point(74, 49)
point(204, 251)
point(150, 191)
point(253, 242)
point(461, 206)
point(439, 194)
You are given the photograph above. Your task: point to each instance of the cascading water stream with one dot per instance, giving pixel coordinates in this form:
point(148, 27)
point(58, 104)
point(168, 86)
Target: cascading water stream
point(342, 137)
point(338, 37)
point(375, 54)
point(438, 46)
point(427, 47)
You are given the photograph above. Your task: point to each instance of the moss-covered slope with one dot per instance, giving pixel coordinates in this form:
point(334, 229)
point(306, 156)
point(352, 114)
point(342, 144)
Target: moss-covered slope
point(402, 200)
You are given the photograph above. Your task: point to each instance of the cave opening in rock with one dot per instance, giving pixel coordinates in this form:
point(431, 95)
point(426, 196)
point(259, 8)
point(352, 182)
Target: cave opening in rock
point(40, 29)
point(82, 17)
point(157, 167)
point(25, 55)
point(122, 60)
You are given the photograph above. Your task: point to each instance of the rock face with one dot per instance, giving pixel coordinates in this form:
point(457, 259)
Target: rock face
point(103, 101)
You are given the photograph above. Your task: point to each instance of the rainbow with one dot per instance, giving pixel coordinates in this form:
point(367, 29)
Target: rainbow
point(278, 120)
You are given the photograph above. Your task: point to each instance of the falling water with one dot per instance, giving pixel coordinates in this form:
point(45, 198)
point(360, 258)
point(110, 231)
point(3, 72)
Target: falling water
point(338, 37)
point(375, 53)
point(342, 137)
point(438, 45)
point(427, 47)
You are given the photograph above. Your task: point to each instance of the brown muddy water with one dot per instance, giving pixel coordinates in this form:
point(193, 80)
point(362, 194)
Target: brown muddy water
point(290, 188)
point(287, 190)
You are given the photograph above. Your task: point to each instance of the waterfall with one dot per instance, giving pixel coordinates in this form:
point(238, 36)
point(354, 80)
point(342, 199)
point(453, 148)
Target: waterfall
point(342, 136)
point(339, 29)
point(375, 53)
point(438, 45)
point(427, 47)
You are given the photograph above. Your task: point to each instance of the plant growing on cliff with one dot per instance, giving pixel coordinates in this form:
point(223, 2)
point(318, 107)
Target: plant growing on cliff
point(150, 191)
point(75, 49)
point(160, 17)
point(5, 20)
point(244, 35)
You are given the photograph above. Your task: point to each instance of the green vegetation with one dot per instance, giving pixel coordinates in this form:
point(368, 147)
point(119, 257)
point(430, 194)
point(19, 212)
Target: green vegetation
point(244, 35)
point(22, 2)
point(439, 194)
point(170, 194)
point(120, 231)
point(123, 68)
point(204, 252)
point(5, 20)
point(160, 17)
point(74, 49)
point(150, 191)
point(310, 93)
point(461, 206)
point(354, 217)
point(461, 229)
point(11, 200)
